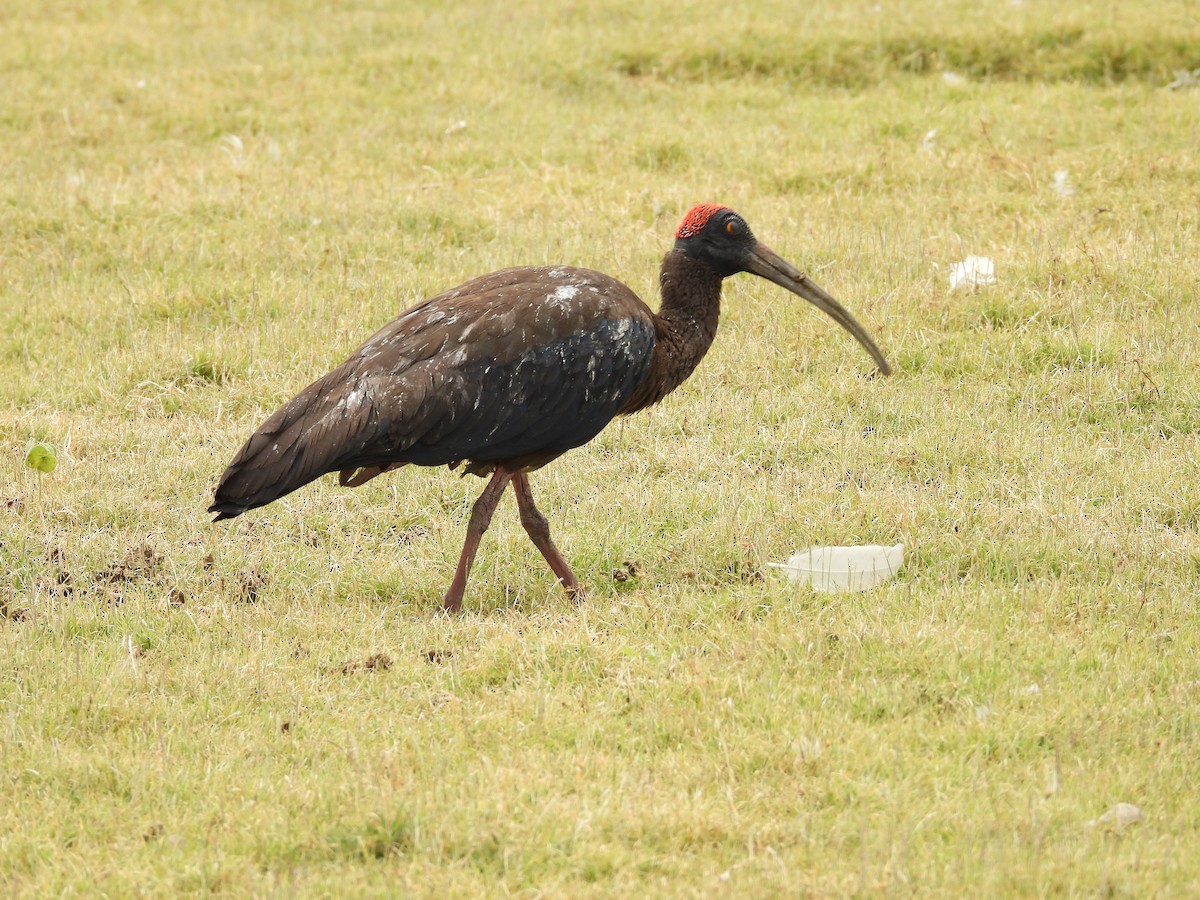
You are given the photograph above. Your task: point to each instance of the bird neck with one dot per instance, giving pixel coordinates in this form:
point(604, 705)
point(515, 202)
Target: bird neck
point(684, 326)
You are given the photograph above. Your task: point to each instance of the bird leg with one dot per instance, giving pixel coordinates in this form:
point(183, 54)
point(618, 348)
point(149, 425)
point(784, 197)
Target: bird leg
point(538, 530)
point(481, 517)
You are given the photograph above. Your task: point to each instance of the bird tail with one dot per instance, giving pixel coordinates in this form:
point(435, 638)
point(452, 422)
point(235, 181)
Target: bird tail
point(308, 437)
point(268, 466)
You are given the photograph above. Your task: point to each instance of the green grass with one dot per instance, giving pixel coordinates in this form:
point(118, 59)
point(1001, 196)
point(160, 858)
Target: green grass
point(205, 206)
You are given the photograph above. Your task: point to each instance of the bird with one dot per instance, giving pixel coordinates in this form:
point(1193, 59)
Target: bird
point(507, 372)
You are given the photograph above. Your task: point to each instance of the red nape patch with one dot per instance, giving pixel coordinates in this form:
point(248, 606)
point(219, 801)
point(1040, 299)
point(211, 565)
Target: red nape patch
point(697, 218)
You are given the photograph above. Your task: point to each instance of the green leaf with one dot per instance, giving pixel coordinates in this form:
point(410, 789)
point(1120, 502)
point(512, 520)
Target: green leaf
point(42, 457)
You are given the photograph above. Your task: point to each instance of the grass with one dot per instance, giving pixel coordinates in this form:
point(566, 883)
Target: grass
point(204, 207)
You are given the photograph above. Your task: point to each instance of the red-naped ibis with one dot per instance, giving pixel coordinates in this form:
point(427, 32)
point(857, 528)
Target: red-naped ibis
point(506, 373)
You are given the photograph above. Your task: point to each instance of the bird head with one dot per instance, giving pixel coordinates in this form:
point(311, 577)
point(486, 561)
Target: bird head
point(721, 239)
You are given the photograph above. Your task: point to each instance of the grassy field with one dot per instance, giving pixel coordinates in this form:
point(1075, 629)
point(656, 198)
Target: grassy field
point(205, 206)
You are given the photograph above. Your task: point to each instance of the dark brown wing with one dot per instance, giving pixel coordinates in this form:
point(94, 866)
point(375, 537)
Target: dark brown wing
point(520, 364)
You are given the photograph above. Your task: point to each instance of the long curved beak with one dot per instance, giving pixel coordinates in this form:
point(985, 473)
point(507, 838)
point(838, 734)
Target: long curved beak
point(766, 263)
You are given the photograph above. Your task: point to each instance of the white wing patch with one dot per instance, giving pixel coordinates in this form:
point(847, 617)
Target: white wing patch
point(356, 398)
point(564, 293)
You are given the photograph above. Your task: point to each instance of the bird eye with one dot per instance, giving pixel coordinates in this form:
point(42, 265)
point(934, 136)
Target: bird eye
point(732, 227)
